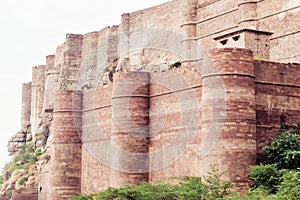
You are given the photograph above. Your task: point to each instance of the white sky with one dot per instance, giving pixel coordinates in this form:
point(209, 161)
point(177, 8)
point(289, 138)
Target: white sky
point(31, 30)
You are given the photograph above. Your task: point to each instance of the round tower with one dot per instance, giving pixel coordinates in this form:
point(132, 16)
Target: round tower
point(248, 12)
point(129, 140)
point(228, 124)
point(190, 26)
point(37, 97)
point(66, 145)
point(51, 84)
point(26, 105)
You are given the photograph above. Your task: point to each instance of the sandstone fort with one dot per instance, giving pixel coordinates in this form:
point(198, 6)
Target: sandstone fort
point(169, 91)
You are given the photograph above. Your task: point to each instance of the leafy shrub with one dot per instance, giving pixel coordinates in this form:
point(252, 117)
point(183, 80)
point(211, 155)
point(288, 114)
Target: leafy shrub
point(289, 189)
point(277, 174)
point(83, 197)
point(38, 152)
point(22, 180)
point(188, 188)
point(8, 193)
point(25, 157)
point(266, 176)
point(217, 188)
point(284, 151)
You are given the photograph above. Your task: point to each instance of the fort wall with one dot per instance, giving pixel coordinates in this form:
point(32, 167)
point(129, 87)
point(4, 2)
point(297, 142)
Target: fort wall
point(51, 84)
point(129, 159)
point(217, 18)
point(282, 19)
point(66, 145)
point(37, 97)
point(26, 105)
point(235, 149)
point(171, 111)
point(277, 99)
point(181, 129)
point(96, 133)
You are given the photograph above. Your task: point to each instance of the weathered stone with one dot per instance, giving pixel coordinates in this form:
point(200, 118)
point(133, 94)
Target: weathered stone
point(153, 114)
point(16, 142)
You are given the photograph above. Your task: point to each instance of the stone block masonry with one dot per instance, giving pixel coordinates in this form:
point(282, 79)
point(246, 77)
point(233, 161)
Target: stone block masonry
point(66, 145)
point(132, 130)
point(135, 120)
point(37, 97)
point(26, 105)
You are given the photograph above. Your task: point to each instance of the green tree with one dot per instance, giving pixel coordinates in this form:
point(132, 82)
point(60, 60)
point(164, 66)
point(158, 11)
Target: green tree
point(284, 151)
point(266, 176)
point(282, 156)
point(289, 189)
point(217, 188)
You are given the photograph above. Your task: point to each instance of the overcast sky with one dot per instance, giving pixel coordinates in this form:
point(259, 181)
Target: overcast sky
point(31, 30)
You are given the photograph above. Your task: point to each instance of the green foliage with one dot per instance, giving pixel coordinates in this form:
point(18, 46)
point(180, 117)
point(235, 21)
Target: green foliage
point(188, 188)
point(297, 129)
point(24, 159)
point(266, 176)
point(46, 157)
point(26, 148)
point(83, 197)
point(217, 188)
point(8, 193)
point(191, 188)
point(38, 152)
point(284, 151)
point(22, 180)
point(257, 194)
point(289, 189)
point(259, 57)
point(280, 173)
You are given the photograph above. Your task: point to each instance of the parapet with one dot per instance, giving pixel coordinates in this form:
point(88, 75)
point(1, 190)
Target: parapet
point(89, 48)
point(26, 105)
point(50, 60)
point(71, 36)
point(227, 60)
point(38, 75)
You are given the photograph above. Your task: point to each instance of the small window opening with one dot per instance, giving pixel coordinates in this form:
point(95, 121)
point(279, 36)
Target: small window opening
point(175, 65)
point(236, 38)
point(111, 76)
point(223, 42)
point(41, 189)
